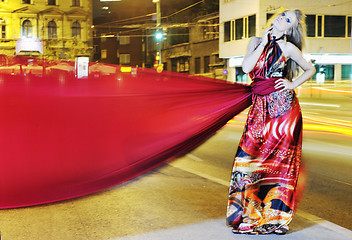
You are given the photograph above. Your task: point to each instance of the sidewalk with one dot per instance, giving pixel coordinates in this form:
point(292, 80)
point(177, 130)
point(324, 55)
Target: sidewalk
point(167, 203)
point(301, 228)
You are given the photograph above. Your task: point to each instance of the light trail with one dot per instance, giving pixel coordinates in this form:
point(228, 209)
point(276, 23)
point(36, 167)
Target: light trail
point(318, 124)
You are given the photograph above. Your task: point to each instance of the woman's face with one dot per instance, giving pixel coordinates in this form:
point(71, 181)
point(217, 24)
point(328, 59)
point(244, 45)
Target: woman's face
point(285, 21)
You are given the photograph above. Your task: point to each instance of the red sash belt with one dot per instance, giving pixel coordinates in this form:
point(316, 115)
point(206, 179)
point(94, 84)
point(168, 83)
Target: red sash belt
point(263, 86)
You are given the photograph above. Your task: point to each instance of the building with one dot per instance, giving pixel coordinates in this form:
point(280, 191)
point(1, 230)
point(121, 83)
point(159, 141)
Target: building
point(198, 54)
point(328, 41)
point(122, 49)
point(63, 26)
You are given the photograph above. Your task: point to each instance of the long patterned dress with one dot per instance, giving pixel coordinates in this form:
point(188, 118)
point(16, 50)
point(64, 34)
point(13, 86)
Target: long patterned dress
point(267, 162)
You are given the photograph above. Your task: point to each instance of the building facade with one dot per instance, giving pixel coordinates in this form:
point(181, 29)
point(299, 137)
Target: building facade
point(122, 49)
point(327, 44)
point(200, 54)
point(64, 26)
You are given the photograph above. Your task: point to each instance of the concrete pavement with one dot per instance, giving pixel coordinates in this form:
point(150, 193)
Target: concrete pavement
point(216, 230)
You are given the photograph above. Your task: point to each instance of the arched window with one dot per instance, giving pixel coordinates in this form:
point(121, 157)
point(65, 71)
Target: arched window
point(76, 29)
point(27, 28)
point(2, 28)
point(52, 29)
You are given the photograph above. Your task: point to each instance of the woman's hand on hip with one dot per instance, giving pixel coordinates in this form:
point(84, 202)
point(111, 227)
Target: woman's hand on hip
point(283, 84)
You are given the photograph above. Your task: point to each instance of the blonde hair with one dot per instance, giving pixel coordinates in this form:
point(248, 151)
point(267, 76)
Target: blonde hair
point(295, 35)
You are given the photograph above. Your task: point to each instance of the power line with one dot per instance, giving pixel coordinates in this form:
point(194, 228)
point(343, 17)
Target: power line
point(152, 14)
point(184, 9)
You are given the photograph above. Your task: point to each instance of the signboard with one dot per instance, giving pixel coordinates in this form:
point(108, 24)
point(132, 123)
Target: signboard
point(81, 66)
point(29, 45)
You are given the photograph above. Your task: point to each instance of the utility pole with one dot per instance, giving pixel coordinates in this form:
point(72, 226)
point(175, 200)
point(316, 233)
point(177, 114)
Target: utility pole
point(159, 34)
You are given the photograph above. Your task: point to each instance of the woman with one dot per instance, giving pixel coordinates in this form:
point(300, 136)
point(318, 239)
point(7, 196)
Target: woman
point(267, 162)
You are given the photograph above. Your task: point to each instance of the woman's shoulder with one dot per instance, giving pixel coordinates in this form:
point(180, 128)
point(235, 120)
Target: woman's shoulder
point(255, 40)
point(289, 49)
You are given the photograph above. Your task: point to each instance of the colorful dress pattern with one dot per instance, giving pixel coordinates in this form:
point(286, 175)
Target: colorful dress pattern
point(267, 162)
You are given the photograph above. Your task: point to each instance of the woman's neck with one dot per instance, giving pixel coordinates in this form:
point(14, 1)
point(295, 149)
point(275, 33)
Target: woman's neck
point(276, 33)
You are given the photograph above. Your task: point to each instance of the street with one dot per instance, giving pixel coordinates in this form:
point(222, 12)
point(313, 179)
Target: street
point(186, 197)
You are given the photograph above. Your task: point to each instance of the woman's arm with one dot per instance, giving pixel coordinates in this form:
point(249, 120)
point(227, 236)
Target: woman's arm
point(296, 55)
point(254, 51)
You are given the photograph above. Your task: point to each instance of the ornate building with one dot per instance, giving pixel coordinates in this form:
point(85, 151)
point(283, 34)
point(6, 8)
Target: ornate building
point(64, 26)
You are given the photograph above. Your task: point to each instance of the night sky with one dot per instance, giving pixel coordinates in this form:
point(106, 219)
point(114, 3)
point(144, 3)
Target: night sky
point(131, 8)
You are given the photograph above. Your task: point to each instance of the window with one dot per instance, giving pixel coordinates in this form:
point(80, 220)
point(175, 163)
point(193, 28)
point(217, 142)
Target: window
point(27, 28)
point(320, 26)
point(26, 1)
point(75, 3)
point(124, 40)
point(239, 29)
point(251, 26)
point(346, 72)
point(217, 59)
point(183, 64)
point(76, 29)
point(197, 65)
point(241, 77)
point(2, 28)
point(327, 70)
point(206, 64)
point(52, 29)
point(349, 26)
point(310, 22)
point(51, 2)
point(334, 26)
point(174, 64)
point(125, 58)
point(103, 54)
point(227, 31)
point(205, 31)
point(269, 15)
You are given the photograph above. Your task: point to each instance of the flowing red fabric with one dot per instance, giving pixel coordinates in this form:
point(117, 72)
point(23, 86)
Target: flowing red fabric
point(64, 137)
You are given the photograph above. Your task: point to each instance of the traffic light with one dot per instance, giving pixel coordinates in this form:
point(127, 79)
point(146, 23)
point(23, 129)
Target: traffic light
point(158, 35)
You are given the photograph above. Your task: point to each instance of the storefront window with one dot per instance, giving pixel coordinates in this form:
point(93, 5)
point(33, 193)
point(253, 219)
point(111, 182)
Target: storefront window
point(346, 72)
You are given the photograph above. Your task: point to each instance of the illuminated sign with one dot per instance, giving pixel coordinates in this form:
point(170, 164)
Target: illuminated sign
point(29, 45)
point(235, 61)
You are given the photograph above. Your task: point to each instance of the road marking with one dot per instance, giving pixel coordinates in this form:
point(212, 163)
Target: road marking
point(193, 157)
point(198, 173)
